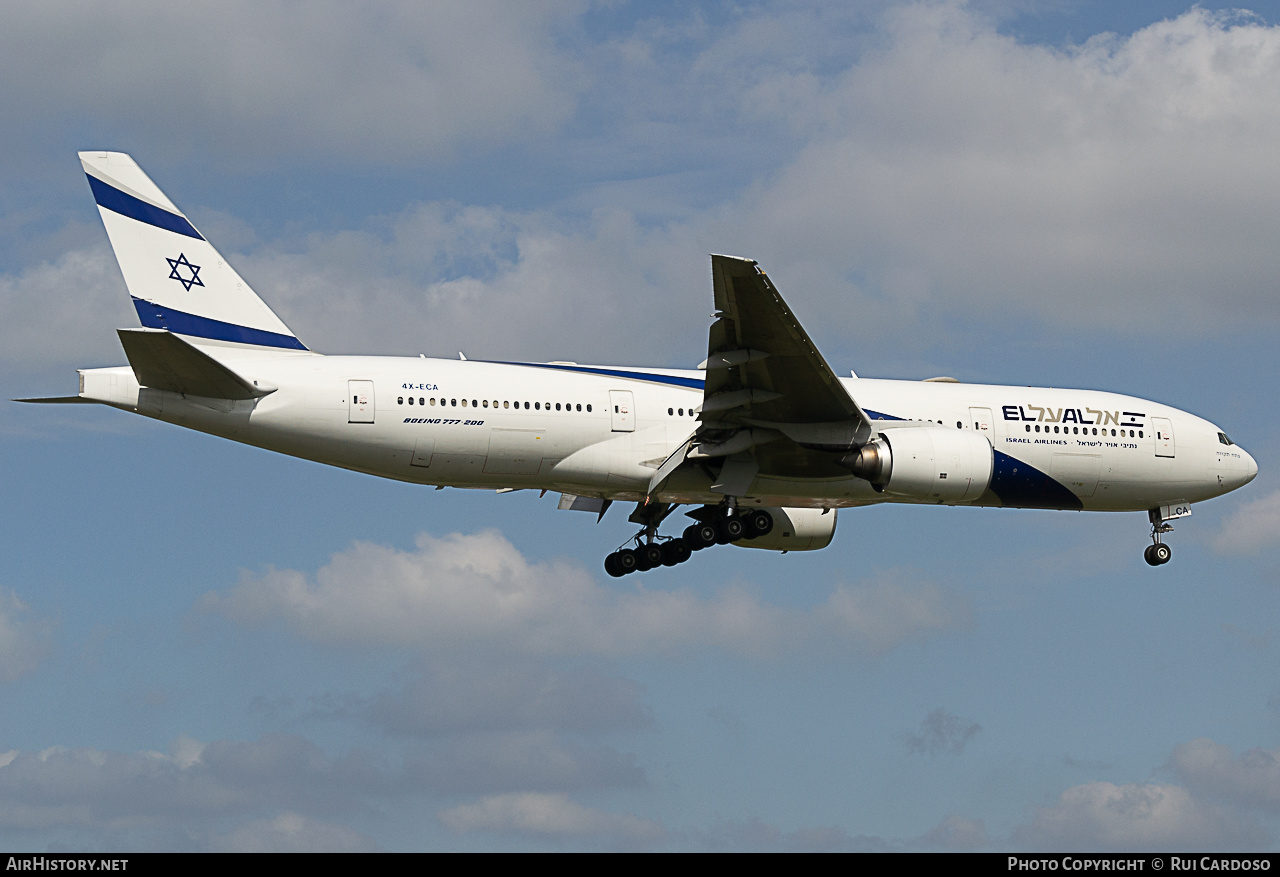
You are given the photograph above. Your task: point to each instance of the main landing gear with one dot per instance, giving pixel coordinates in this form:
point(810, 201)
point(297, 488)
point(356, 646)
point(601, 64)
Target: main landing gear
point(714, 525)
point(1158, 553)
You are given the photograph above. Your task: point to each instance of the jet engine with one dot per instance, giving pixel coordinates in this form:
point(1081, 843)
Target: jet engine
point(929, 463)
point(795, 530)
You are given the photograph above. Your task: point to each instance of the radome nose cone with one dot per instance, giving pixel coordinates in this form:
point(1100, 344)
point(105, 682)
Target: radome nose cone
point(1250, 467)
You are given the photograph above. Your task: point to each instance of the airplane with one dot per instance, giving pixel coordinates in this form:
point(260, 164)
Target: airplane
point(762, 440)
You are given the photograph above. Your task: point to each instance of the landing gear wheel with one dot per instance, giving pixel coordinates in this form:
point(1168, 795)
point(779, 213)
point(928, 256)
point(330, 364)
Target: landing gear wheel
point(728, 530)
point(611, 566)
point(1161, 553)
point(648, 556)
point(758, 523)
point(675, 551)
point(1146, 555)
point(700, 536)
point(625, 560)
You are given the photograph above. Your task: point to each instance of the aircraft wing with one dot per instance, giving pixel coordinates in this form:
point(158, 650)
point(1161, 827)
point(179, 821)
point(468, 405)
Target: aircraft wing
point(758, 347)
point(771, 404)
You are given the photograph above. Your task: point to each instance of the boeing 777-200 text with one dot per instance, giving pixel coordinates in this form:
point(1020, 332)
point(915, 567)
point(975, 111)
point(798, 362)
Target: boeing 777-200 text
point(763, 440)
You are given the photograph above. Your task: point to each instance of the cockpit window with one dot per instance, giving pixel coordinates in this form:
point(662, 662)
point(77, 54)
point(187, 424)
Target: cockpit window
point(1222, 437)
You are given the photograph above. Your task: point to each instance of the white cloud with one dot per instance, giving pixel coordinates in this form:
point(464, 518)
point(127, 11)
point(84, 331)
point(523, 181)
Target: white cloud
point(64, 313)
point(292, 833)
point(478, 593)
point(947, 170)
point(957, 168)
point(889, 609)
point(550, 815)
point(117, 791)
point(1136, 816)
point(1251, 780)
point(262, 80)
point(950, 171)
point(956, 832)
point(1251, 528)
point(499, 283)
point(24, 641)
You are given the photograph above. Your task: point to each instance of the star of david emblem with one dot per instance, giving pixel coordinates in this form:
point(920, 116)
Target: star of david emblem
point(175, 274)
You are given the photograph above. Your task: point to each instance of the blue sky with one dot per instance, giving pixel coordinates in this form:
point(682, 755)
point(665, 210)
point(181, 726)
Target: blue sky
point(209, 647)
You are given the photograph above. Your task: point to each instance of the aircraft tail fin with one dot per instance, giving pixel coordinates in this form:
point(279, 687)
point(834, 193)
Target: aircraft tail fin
point(177, 280)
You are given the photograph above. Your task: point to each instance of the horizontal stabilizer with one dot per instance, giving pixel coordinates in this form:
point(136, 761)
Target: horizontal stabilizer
point(163, 361)
point(58, 400)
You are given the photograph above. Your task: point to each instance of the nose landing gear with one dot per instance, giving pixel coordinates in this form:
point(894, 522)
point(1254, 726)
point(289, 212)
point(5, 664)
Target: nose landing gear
point(1158, 553)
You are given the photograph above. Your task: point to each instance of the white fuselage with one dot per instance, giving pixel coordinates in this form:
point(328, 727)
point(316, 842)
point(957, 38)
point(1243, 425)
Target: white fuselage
point(604, 431)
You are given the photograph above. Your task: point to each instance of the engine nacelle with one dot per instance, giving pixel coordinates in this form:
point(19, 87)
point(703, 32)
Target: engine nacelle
point(932, 464)
point(796, 530)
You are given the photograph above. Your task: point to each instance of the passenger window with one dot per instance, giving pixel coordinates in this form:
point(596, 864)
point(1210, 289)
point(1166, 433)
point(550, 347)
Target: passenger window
point(506, 404)
point(410, 400)
point(464, 403)
point(579, 407)
point(400, 400)
point(557, 406)
point(588, 407)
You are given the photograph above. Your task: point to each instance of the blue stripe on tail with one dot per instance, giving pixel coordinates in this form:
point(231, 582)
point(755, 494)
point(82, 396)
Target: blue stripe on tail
point(155, 316)
point(135, 208)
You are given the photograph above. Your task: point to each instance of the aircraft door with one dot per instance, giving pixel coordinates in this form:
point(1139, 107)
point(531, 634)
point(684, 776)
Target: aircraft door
point(359, 401)
point(983, 423)
point(622, 411)
point(1163, 428)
